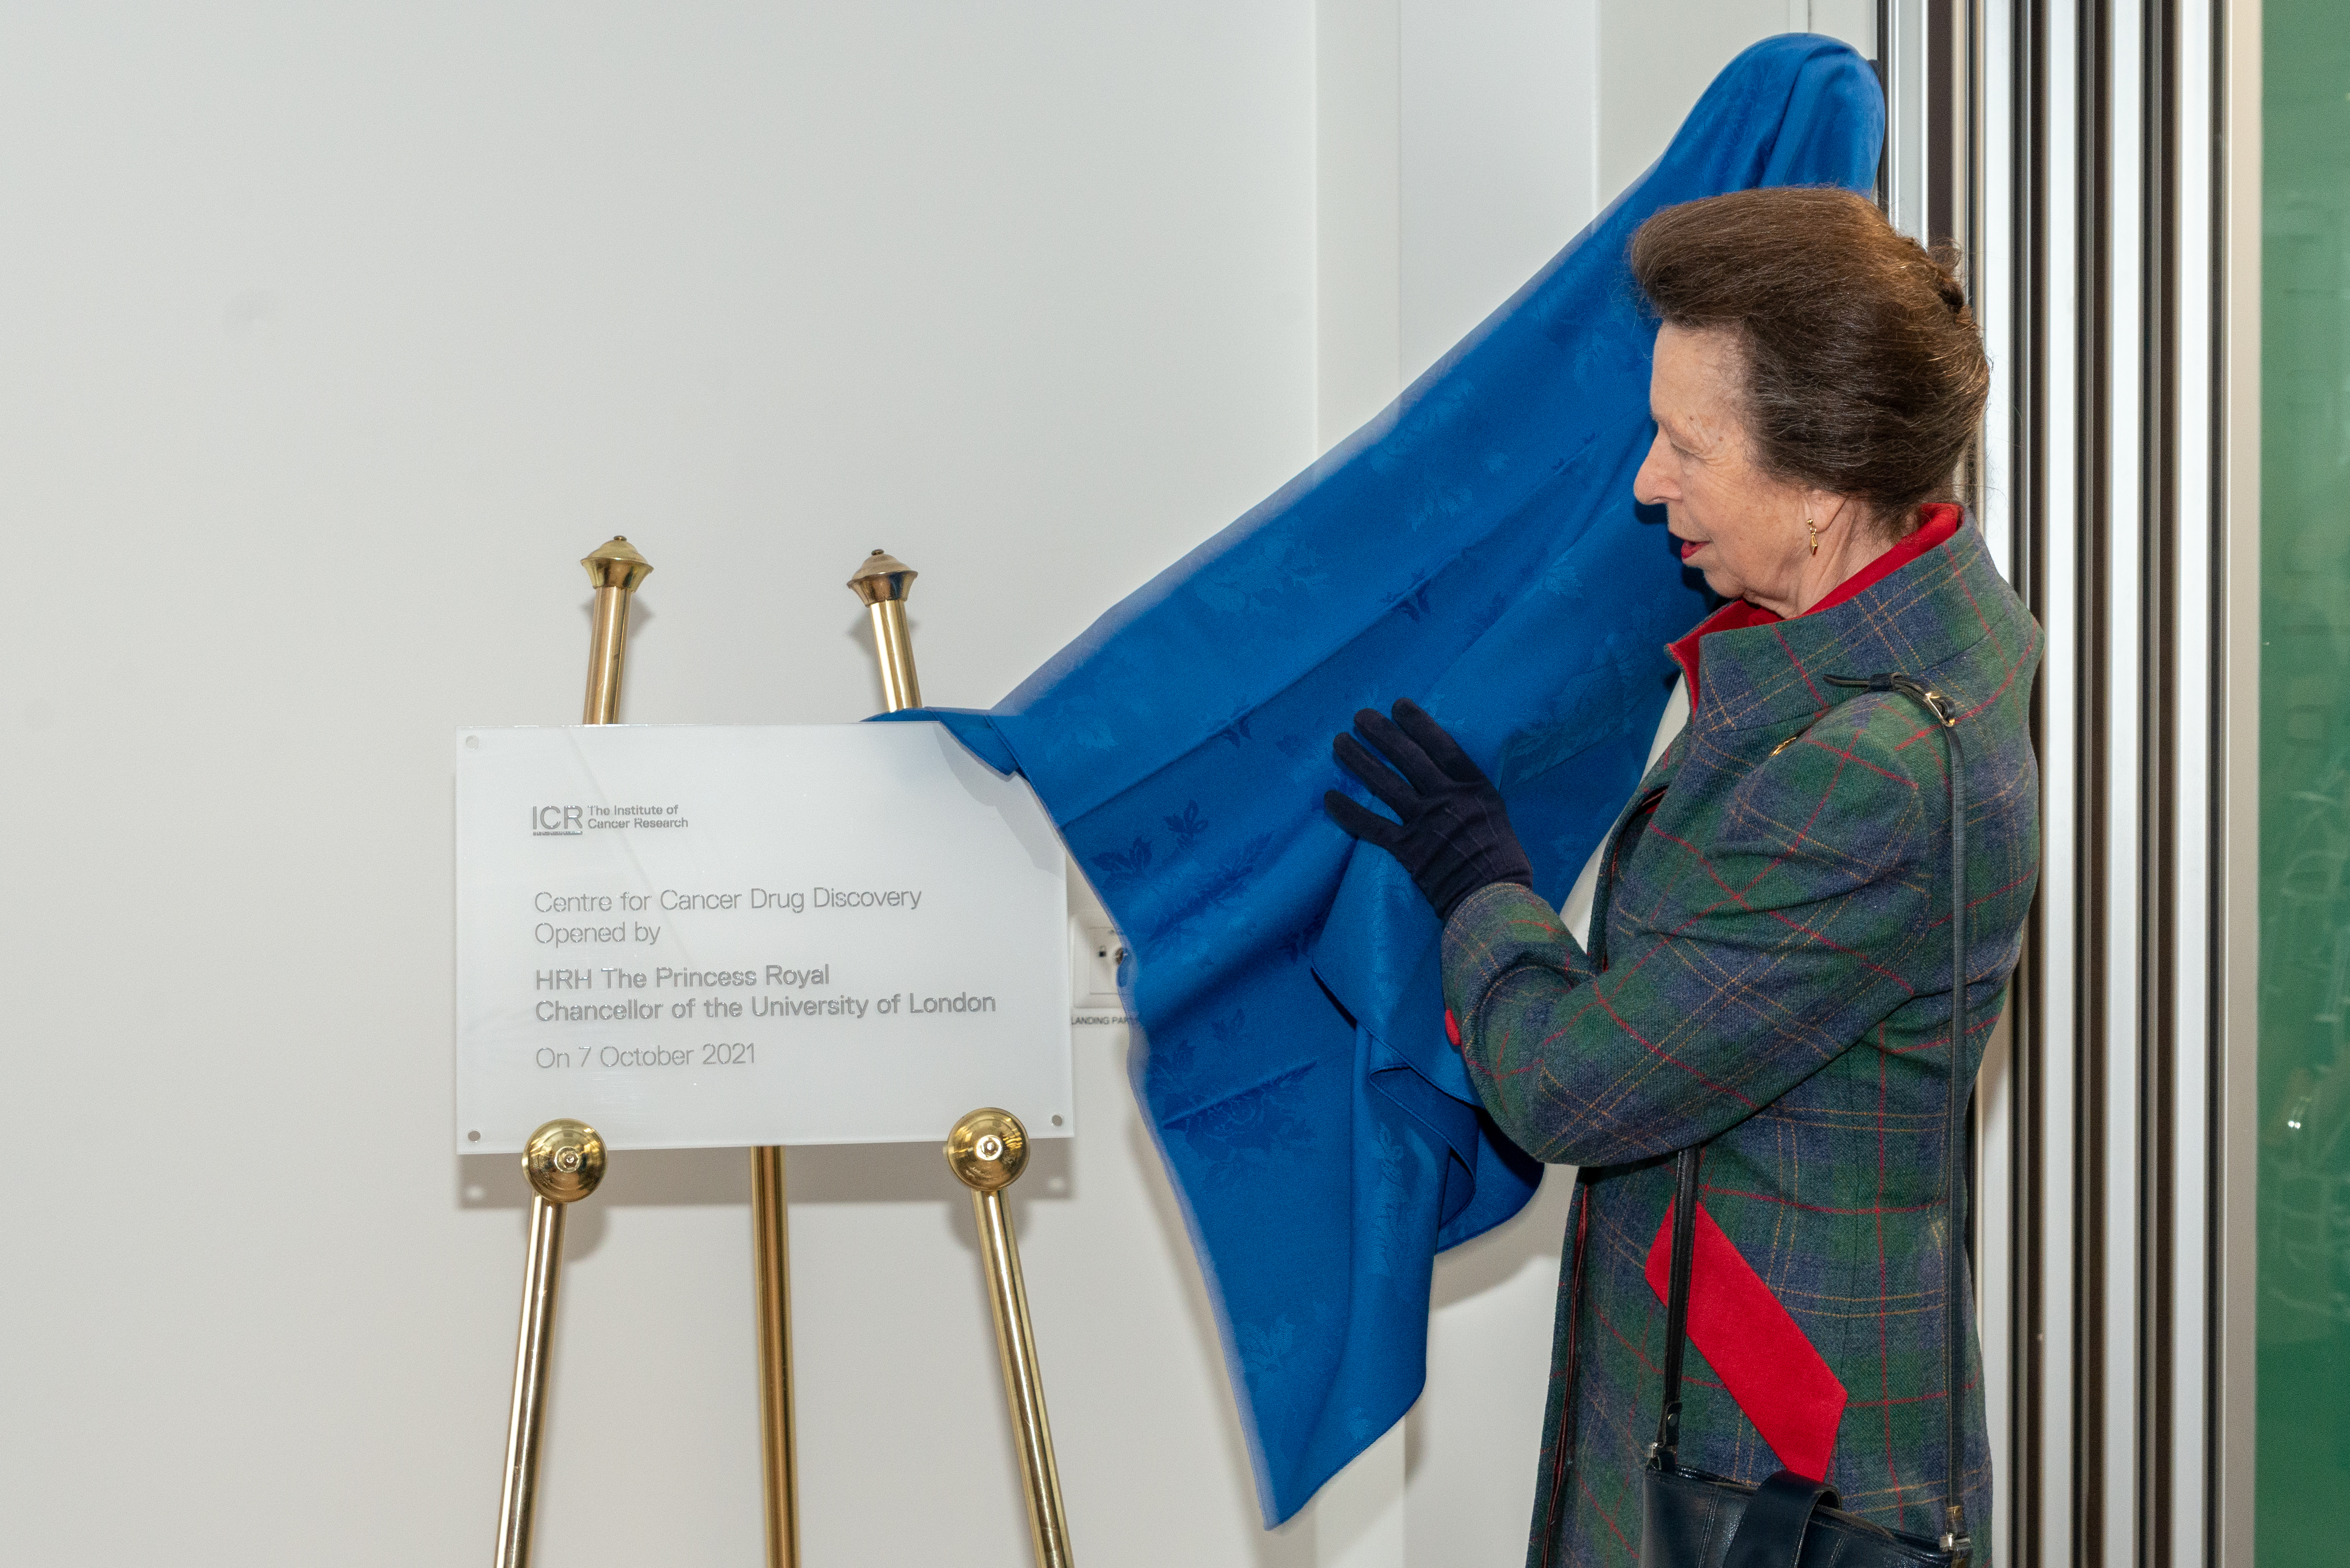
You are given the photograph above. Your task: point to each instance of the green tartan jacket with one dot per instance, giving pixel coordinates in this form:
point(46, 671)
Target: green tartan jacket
point(1775, 978)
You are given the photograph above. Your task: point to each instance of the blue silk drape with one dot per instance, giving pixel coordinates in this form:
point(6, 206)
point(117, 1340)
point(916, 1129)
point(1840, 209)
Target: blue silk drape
point(1475, 547)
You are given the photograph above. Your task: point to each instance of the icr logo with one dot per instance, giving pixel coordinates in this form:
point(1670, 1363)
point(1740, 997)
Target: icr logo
point(557, 822)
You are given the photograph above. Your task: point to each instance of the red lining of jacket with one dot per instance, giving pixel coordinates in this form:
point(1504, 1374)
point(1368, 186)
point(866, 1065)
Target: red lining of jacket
point(1939, 526)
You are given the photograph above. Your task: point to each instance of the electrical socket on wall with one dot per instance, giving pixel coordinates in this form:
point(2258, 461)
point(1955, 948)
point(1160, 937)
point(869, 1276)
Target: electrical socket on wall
point(1099, 949)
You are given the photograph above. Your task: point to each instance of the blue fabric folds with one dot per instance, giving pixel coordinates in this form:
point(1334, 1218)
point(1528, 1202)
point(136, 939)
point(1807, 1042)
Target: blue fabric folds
point(1474, 547)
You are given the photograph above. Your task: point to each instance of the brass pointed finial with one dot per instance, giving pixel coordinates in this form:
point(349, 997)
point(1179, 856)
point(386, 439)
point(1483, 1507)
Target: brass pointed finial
point(882, 583)
point(883, 577)
point(616, 566)
point(616, 569)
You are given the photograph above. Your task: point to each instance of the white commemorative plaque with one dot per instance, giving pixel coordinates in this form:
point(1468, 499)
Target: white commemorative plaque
point(696, 937)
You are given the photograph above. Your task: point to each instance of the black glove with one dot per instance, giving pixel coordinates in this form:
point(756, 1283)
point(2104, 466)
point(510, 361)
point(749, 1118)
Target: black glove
point(1454, 837)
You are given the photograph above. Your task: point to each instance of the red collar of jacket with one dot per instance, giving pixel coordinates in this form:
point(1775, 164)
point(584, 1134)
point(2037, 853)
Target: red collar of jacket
point(1941, 523)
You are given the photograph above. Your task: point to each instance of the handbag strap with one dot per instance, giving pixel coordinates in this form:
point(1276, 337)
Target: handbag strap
point(1770, 1532)
point(1686, 1163)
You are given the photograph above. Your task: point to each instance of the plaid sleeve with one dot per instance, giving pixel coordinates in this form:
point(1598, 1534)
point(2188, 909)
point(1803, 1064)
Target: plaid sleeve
point(1746, 952)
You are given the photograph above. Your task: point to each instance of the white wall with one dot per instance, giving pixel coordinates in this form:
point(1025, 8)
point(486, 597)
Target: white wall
point(329, 338)
point(333, 338)
point(1660, 54)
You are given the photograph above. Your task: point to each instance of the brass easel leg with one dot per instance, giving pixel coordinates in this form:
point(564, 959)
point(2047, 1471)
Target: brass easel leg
point(882, 584)
point(564, 1160)
point(987, 1151)
point(771, 1241)
point(988, 1148)
point(540, 1273)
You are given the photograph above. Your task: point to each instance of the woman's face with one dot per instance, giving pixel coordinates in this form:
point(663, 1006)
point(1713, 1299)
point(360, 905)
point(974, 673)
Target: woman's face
point(1739, 526)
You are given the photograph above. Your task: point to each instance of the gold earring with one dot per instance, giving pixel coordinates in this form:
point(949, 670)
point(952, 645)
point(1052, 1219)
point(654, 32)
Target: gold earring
point(1814, 529)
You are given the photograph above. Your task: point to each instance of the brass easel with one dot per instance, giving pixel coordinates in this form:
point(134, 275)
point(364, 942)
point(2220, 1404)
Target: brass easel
point(988, 1149)
point(564, 1159)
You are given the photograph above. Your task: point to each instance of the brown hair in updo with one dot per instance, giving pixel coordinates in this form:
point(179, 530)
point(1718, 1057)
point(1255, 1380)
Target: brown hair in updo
point(1865, 373)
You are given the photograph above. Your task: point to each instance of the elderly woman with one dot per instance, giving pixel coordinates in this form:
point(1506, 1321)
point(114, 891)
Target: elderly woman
point(1768, 977)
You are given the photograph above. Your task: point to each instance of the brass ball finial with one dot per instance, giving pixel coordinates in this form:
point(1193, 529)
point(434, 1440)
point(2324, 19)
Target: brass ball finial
point(565, 1160)
point(988, 1149)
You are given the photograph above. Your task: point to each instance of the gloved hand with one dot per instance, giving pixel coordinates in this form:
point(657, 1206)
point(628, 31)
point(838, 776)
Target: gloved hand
point(1454, 837)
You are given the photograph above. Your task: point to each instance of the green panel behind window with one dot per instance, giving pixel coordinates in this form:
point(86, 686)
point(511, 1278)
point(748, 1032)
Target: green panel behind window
point(2303, 1461)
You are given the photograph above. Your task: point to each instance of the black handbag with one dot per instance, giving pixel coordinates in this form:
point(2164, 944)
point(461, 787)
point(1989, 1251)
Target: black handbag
point(1692, 1520)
